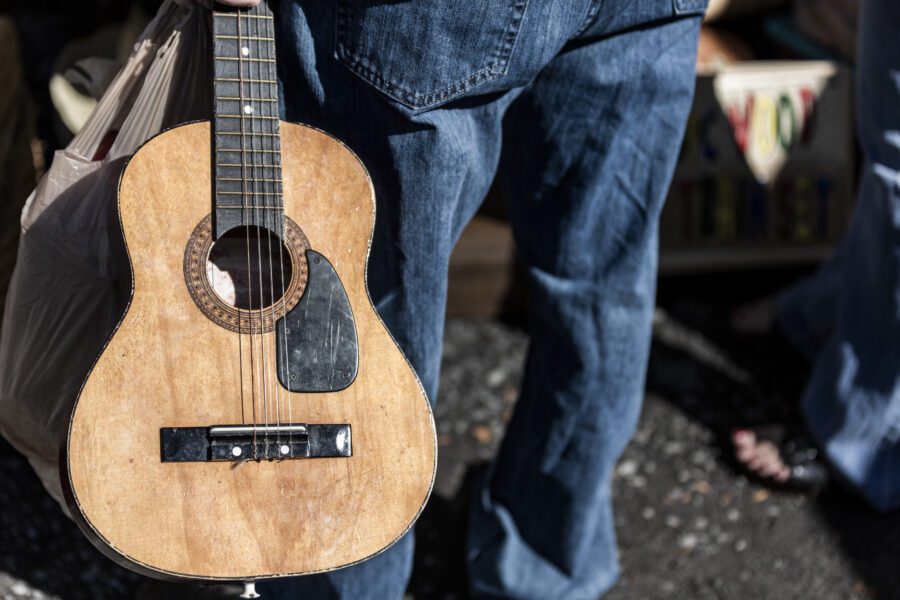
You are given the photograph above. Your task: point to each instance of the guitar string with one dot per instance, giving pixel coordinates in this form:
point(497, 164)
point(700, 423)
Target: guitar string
point(271, 215)
point(260, 222)
point(260, 200)
point(240, 322)
point(278, 185)
point(277, 216)
point(254, 377)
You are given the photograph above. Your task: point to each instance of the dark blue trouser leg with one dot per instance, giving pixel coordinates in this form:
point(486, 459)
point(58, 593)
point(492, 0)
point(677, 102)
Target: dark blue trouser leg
point(585, 174)
point(852, 402)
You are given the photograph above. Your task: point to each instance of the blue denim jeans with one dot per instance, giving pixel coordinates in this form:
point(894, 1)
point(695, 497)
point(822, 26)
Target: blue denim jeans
point(579, 108)
point(847, 317)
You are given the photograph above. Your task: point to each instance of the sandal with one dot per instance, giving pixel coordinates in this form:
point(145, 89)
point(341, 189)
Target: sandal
point(793, 459)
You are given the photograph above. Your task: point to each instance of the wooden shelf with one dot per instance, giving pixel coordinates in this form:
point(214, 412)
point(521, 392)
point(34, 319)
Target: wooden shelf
point(712, 258)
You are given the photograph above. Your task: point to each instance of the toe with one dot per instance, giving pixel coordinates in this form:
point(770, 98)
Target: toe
point(782, 475)
point(745, 453)
point(755, 462)
point(770, 468)
point(743, 439)
point(766, 460)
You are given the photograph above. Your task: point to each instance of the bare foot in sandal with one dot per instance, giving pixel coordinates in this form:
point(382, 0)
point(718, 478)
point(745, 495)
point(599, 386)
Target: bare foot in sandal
point(779, 457)
point(761, 457)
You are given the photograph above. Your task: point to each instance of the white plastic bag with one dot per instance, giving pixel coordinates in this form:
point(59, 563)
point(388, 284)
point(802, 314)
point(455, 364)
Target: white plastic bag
point(64, 298)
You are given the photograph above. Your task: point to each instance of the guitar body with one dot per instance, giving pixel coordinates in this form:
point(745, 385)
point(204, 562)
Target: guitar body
point(170, 365)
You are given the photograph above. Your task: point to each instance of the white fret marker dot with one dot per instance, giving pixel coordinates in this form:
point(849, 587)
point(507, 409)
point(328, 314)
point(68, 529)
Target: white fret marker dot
point(248, 109)
point(245, 51)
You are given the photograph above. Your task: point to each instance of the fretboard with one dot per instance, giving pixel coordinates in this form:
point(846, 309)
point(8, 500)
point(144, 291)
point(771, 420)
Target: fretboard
point(247, 148)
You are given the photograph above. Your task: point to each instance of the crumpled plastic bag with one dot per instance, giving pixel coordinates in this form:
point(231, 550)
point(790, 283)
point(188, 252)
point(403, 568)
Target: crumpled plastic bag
point(67, 292)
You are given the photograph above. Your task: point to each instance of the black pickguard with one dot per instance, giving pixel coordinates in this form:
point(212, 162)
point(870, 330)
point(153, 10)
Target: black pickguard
point(317, 343)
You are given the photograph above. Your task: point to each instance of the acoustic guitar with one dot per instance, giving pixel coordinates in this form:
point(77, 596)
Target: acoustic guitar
point(250, 417)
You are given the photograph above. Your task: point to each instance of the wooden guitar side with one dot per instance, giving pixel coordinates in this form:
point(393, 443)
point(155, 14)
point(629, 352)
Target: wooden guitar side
point(168, 365)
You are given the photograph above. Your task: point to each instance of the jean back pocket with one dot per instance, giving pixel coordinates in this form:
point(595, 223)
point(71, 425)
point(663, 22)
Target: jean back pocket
point(422, 53)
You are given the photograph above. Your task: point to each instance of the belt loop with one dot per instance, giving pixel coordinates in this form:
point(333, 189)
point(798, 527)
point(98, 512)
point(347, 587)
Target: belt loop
point(689, 6)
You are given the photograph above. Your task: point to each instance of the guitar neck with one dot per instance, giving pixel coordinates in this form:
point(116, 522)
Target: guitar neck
point(246, 144)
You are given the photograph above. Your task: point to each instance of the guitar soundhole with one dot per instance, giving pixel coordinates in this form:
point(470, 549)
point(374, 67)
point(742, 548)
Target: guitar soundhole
point(249, 268)
point(242, 299)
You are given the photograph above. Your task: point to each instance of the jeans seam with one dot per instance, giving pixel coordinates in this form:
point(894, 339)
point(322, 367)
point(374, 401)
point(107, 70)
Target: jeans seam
point(589, 19)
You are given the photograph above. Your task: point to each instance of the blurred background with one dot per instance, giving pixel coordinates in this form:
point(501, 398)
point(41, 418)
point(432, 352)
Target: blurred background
point(762, 193)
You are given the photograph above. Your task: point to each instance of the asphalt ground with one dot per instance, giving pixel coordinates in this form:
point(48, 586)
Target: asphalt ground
point(689, 526)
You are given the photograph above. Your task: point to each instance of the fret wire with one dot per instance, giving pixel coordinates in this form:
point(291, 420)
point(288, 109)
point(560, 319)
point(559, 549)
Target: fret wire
point(251, 178)
point(245, 151)
point(241, 207)
point(238, 99)
point(239, 134)
point(251, 166)
point(227, 193)
point(243, 115)
point(238, 165)
point(244, 37)
point(245, 59)
point(248, 16)
point(262, 117)
point(233, 80)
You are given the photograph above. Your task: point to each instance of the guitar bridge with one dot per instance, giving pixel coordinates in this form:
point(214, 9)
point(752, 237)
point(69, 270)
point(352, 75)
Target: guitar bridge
point(254, 442)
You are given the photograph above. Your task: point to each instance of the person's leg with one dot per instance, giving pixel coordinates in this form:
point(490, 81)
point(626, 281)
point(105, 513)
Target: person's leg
point(806, 312)
point(852, 403)
point(589, 150)
point(846, 318)
point(802, 315)
point(430, 172)
point(417, 90)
